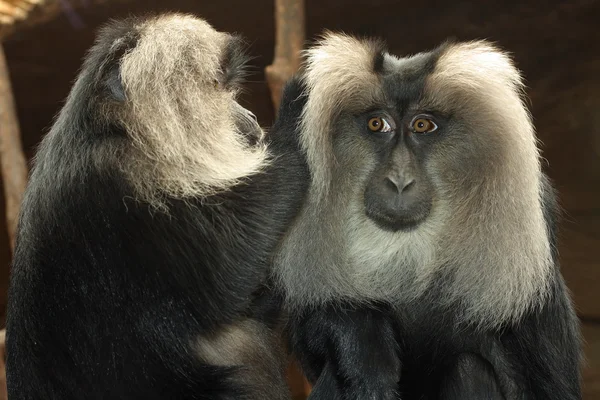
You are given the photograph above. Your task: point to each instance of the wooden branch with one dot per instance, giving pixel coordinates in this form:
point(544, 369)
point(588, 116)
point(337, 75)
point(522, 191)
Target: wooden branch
point(15, 12)
point(12, 10)
point(3, 394)
point(13, 163)
point(41, 11)
point(289, 40)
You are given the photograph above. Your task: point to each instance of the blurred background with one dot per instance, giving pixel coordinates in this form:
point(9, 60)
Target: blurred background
point(556, 46)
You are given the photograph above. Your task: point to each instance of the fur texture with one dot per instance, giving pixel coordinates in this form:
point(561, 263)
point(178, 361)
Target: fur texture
point(503, 183)
point(252, 345)
point(480, 85)
point(475, 285)
point(146, 231)
point(175, 66)
point(334, 85)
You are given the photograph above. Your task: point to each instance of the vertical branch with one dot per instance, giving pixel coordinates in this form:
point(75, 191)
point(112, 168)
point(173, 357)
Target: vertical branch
point(12, 159)
point(289, 40)
point(3, 394)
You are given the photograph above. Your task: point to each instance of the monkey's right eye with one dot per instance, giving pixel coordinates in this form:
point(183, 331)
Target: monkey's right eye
point(379, 124)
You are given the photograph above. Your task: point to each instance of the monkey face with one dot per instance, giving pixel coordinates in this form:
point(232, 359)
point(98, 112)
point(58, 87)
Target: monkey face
point(385, 153)
point(391, 144)
point(247, 124)
point(398, 194)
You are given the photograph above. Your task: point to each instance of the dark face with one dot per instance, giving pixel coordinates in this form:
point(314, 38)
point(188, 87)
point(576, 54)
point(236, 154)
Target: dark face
point(399, 192)
point(247, 124)
point(233, 65)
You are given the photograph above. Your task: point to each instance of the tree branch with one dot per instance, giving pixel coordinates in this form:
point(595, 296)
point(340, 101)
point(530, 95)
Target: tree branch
point(289, 40)
point(12, 159)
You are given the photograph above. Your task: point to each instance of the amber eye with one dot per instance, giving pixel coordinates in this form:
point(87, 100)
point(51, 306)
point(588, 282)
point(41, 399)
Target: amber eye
point(375, 124)
point(423, 125)
point(378, 124)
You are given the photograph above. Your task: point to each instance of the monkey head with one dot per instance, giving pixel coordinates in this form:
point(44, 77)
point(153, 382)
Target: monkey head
point(417, 163)
point(170, 84)
point(413, 129)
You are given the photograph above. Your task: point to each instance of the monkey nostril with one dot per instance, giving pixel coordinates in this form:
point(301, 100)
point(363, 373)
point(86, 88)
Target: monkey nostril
point(398, 186)
point(408, 185)
point(391, 185)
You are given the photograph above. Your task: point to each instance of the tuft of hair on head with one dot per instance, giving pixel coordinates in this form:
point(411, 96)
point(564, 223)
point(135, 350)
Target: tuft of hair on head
point(180, 82)
point(475, 65)
point(340, 72)
point(497, 216)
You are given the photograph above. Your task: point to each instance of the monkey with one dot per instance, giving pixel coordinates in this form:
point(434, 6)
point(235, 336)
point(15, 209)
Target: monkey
point(153, 206)
point(423, 263)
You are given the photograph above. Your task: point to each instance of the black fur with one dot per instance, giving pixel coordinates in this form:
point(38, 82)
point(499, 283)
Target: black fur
point(417, 353)
point(350, 351)
point(106, 296)
point(235, 61)
point(379, 49)
point(347, 352)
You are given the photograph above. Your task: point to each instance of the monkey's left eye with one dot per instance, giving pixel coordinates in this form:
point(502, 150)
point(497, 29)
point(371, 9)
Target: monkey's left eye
point(379, 124)
point(423, 125)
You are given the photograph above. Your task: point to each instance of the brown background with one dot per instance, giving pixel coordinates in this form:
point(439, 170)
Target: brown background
point(556, 46)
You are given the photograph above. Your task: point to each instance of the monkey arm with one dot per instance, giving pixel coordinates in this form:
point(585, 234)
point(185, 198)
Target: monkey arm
point(547, 343)
point(545, 351)
point(536, 358)
point(348, 353)
point(470, 376)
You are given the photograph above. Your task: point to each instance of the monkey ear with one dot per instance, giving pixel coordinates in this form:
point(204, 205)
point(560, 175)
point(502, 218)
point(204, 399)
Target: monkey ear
point(114, 84)
point(112, 78)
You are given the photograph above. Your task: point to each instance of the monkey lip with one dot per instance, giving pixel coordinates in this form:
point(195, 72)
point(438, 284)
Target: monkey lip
point(397, 223)
point(397, 213)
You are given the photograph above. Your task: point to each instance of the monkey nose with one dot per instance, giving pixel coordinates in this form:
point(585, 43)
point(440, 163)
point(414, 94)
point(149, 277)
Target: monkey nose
point(252, 116)
point(399, 184)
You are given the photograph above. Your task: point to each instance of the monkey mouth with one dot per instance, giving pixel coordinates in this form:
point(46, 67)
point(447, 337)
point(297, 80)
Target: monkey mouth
point(255, 136)
point(398, 222)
